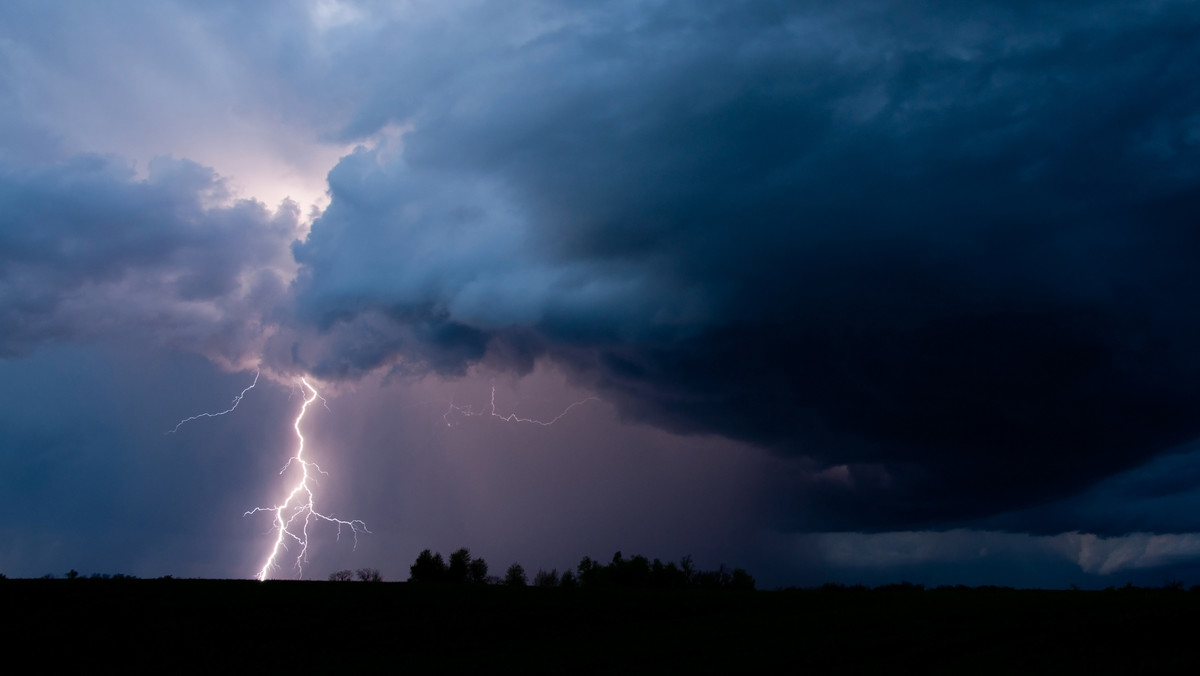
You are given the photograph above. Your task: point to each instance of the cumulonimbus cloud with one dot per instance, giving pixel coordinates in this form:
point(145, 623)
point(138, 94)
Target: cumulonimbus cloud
point(947, 257)
point(951, 251)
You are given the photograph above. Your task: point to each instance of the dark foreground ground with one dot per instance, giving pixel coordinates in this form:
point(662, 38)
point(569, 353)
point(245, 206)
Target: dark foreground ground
point(233, 626)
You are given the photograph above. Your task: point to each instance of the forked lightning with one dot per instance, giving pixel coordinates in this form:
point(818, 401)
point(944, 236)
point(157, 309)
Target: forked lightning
point(297, 512)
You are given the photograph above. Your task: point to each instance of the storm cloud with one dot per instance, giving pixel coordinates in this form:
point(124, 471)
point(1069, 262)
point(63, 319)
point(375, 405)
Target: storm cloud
point(929, 269)
point(950, 254)
point(88, 251)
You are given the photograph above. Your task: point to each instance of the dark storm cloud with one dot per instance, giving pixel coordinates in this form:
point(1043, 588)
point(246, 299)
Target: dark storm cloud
point(949, 255)
point(89, 251)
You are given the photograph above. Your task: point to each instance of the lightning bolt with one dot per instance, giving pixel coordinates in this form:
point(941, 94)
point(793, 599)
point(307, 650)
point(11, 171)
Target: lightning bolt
point(236, 400)
point(468, 411)
point(297, 512)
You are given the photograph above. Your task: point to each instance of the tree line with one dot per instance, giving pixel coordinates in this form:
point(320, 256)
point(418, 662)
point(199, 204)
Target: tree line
point(634, 572)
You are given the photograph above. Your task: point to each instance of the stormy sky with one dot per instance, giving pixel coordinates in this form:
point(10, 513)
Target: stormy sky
point(852, 291)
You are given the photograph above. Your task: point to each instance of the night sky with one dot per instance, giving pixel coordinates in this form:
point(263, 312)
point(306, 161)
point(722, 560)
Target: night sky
point(853, 292)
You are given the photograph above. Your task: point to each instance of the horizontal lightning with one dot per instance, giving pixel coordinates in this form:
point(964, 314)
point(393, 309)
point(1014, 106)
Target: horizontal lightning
point(236, 400)
point(468, 411)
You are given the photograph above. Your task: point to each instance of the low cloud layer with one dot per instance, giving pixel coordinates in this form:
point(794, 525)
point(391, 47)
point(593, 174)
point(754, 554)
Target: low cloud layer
point(1092, 554)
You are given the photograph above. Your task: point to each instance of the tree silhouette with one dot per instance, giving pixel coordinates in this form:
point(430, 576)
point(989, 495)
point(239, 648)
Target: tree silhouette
point(638, 572)
point(344, 575)
point(634, 572)
point(741, 580)
point(667, 575)
point(590, 573)
point(460, 566)
point(428, 567)
point(477, 571)
point(515, 577)
point(689, 570)
point(369, 575)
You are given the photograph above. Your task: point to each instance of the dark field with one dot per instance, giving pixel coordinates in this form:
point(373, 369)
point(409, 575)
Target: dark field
point(235, 626)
